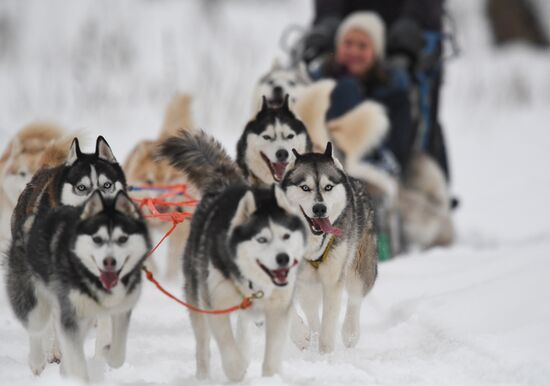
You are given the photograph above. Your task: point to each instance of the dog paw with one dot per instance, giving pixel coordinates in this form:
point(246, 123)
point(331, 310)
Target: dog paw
point(326, 346)
point(301, 338)
point(235, 368)
point(350, 332)
point(37, 367)
point(114, 358)
point(300, 334)
point(37, 362)
point(54, 354)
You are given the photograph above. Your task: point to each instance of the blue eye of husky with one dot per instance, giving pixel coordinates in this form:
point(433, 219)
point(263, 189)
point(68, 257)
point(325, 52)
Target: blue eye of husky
point(81, 188)
point(266, 137)
point(328, 188)
point(98, 240)
point(107, 185)
point(305, 188)
point(261, 240)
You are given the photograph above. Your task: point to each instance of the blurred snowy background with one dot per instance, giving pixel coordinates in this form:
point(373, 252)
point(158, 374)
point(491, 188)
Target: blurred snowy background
point(474, 314)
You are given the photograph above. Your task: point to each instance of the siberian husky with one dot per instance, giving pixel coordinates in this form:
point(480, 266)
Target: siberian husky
point(29, 150)
point(143, 169)
point(342, 244)
point(278, 82)
point(75, 265)
point(265, 147)
point(244, 242)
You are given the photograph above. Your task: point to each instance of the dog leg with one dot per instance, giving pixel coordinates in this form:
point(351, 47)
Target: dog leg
point(310, 301)
point(299, 331)
point(37, 326)
point(244, 333)
point(276, 331)
point(71, 339)
point(103, 335)
point(234, 365)
point(202, 348)
point(351, 328)
point(176, 246)
point(115, 353)
point(332, 298)
point(51, 343)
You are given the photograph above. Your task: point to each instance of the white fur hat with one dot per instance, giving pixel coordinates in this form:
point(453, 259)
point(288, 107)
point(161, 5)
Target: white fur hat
point(370, 23)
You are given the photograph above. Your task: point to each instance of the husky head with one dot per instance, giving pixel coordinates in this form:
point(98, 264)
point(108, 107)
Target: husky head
point(84, 173)
point(281, 81)
point(111, 238)
point(267, 238)
point(318, 184)
point(265, 147)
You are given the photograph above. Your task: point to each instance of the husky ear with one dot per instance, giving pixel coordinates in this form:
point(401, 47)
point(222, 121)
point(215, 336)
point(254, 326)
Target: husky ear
point(328, 150)
point(92, 206)
point(74, 153)
point(246, 207)
point(303, 73)
point(276, 65)
point(103, 150)
point(285, 104)
point(264, 104)
point(124, 205)
point(282, 200)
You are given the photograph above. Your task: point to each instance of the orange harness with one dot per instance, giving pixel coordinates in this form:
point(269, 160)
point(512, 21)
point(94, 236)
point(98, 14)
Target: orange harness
point(152, 203)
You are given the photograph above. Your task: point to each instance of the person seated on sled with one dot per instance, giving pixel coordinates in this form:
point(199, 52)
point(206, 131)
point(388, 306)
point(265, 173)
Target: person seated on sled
point(361, 74)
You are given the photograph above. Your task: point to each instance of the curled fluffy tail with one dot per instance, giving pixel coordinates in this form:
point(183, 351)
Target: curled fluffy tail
point(203, 160)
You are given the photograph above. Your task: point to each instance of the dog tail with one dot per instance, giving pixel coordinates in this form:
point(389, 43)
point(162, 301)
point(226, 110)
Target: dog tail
point(178, 116)
point(56, 151)
point(203, 159)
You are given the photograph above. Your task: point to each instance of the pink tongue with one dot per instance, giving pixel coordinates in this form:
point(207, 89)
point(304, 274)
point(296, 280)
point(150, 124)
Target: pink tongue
point(108, 279)
point(279, 169)
point(325, 225)
point(280, 275)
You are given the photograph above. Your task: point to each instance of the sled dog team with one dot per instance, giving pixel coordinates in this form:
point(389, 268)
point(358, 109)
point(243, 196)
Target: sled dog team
point(279, 223)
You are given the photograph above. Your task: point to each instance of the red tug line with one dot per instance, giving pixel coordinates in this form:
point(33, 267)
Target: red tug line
point(152, 203)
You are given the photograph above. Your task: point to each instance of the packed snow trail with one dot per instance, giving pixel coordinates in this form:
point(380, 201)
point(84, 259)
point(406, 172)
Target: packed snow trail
point(473, 314)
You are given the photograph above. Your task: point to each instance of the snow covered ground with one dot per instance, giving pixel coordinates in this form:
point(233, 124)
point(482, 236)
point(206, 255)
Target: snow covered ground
point(474, 314)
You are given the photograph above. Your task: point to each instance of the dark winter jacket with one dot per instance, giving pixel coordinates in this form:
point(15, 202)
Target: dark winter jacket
point(386, 85)
point(428, 13)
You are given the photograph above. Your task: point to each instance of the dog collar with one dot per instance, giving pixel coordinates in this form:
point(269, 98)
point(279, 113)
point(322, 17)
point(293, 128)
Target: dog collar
point(317, 262)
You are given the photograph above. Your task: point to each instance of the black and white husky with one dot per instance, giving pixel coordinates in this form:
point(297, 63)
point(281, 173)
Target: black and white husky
point(341, 249)
point(70, 183)
point(75, 265)
point(243, 242)
point(265, 147)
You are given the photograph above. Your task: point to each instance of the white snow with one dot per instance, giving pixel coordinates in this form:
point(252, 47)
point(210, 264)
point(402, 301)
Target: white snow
point(474, 314)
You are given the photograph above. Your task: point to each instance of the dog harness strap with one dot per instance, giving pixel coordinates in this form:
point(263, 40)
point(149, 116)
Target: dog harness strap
point(245, 303)
point(316, 263)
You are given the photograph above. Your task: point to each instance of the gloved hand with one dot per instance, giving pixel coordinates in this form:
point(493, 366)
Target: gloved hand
point(406, 37)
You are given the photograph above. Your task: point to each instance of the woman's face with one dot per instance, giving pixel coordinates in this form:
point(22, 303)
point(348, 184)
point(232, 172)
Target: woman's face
point(355, 51)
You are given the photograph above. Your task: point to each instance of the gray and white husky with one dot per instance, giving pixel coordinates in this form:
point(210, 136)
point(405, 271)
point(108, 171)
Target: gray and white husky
point(278, 82)
point(265, 147)
point(243, 242)
point(342, 245)
point(75, 265)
